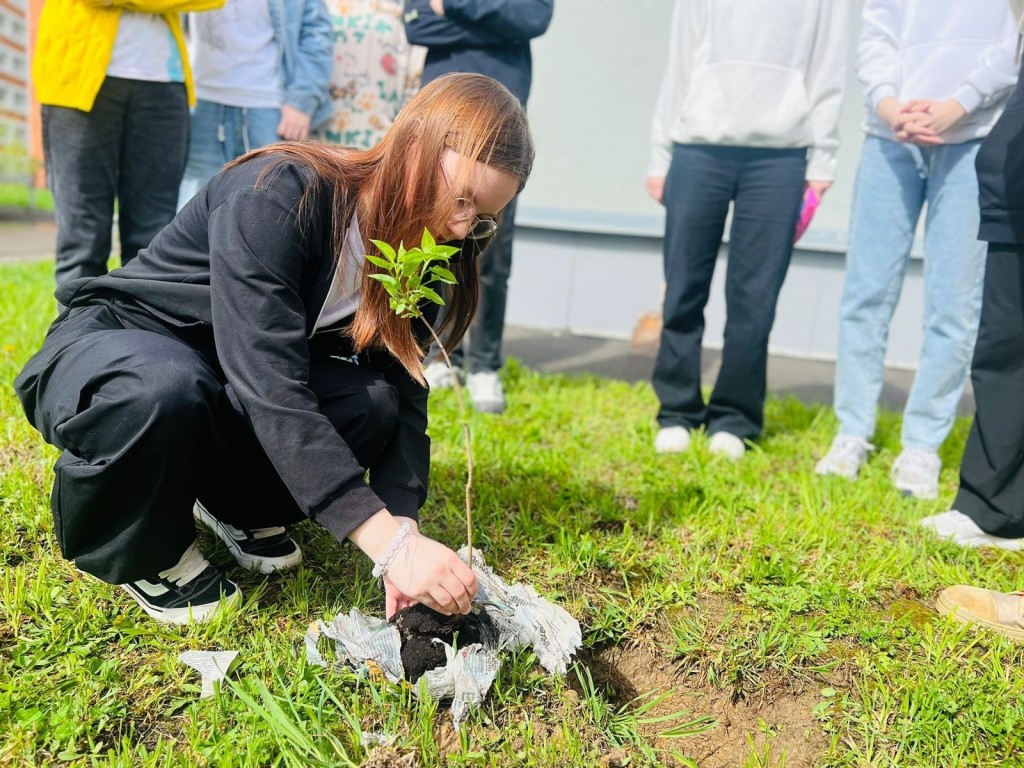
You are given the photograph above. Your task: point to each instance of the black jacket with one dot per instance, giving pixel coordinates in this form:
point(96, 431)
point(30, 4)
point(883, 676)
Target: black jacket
point(489, 37)
point(239, 277)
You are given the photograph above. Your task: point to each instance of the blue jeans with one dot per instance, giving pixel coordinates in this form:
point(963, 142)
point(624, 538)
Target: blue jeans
point(765, 187)
point(219, 134)
point(894, 181)
point(129, 148)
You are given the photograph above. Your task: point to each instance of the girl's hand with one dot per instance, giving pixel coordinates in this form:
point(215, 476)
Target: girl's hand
point(819, 187)
point(294, 125)
point(656, 187)
point(425, 571)
point(890, 110)
point(923, 121)
point(422, 571)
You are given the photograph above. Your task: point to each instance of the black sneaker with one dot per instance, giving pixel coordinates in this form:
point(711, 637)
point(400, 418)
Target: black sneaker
point(191, 591)
point(259, 549)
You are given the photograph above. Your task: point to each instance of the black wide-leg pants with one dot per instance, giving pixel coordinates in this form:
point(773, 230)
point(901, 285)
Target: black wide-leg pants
point(992, 469)
point(765, 187)
point(147, 424)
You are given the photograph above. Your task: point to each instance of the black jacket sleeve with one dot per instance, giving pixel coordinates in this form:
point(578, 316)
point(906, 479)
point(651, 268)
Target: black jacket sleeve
point(400, 475)
point(477, 23)
point(259, 258)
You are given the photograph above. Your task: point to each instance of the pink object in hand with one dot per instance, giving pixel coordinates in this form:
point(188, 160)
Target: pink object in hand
point(807, 209)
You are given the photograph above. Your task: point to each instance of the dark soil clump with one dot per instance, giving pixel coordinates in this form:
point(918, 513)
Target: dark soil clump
point(418, 627)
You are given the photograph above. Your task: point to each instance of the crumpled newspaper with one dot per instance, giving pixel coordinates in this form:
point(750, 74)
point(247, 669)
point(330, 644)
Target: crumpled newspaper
point(521, 616)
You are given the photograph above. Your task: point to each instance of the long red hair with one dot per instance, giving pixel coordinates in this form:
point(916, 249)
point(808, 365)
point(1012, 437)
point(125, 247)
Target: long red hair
point(395, 190)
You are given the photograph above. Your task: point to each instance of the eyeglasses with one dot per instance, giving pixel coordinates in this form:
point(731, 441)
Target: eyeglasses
point(481, 227)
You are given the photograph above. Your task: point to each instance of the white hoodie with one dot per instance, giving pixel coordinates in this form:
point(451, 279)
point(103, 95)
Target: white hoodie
point(939, 49)
point(755, 73)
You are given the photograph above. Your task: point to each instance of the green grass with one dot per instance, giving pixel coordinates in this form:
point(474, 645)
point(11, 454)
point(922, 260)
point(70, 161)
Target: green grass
point(20, 196)
point(747, 614)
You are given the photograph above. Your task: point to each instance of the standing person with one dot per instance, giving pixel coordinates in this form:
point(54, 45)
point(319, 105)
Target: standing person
point(748, 115)
point(248, 363)
point(375, 72)
point(936, 75)
point(989, 508)
point(261, 68)
point(115, 122)
point(491, 37)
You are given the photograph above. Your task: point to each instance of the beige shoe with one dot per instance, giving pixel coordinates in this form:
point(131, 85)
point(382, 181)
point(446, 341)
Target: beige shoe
point(998, 611)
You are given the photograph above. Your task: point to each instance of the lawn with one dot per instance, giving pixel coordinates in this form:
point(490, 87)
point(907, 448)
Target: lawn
point(734, 614)
point(14, 196)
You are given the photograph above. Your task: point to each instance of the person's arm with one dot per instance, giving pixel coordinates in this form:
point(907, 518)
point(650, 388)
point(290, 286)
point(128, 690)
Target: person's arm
point(160, 6)
point(258, 259)
point(996, 72)
point(257, 262)
point(423, 26)
point(826, 81)
point(674, 83)
point(311, 71)
point(401, 473)
point(514, 19)
point(878, 62)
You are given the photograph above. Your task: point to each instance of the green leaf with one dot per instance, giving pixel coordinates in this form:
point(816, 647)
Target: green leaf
point(388, 280)
point(444, 275)
point(391, 284)
point(384, 248)
point(382, 263)
point(428, 242)
point(432, 295)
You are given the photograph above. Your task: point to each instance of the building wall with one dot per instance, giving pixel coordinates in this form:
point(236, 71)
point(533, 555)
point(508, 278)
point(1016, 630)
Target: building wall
point(14, 91)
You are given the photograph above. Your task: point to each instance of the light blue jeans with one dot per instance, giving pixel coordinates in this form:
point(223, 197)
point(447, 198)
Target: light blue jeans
point(893, 183)
point(217, 135)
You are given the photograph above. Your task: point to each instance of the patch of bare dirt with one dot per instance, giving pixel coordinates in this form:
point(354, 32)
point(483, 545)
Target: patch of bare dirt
point(777, 719)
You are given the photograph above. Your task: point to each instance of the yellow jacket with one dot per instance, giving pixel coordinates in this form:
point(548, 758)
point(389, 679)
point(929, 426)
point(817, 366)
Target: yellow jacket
point(76, 40)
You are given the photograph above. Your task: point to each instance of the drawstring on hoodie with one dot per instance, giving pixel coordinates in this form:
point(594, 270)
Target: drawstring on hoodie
point(222, 133)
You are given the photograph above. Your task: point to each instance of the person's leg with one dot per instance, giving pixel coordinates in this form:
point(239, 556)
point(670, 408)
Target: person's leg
point(244, 490)
point(207, 151)
point(888, 196)
point(259, 128)
point(154, 148)
point(483, 355)
point(485, 334)
point(82, 151)
point(992, 469)
point(954, 270)
point(698, 188)
point(768, 194)
point(134, 414)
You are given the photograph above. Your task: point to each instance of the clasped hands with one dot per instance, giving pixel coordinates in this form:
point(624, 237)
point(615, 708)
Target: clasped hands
point(920, 121)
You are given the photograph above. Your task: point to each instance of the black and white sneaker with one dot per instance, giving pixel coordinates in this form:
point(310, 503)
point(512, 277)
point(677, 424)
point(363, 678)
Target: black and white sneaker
point(259, 549)
point(191, 591)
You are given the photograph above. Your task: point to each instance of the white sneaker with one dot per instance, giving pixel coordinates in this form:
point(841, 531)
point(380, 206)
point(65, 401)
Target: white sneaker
point(439, 375)
point(958, 528)
point(727, 444)
point(916, 473)
point(672, 440)
point(485, 392)
point(845, 458)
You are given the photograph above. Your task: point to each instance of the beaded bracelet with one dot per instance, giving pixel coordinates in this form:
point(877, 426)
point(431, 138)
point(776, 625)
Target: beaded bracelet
point(385, 561)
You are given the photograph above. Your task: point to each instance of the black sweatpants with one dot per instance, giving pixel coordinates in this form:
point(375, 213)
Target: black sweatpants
point(992, 469)
point(147, 424)
point(765, 187)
